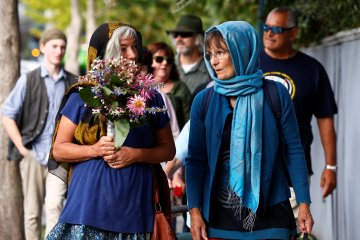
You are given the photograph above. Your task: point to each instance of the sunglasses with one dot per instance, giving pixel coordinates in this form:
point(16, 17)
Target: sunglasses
point(182, 34)
point(160, 59)
point(276, 30)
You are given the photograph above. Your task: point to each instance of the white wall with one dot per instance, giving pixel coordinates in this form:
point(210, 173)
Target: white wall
point(336, 218)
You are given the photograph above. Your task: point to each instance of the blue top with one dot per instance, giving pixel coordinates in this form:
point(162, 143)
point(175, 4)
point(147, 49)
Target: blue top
point(203, 158)
point(118, 200)
point(55, 90)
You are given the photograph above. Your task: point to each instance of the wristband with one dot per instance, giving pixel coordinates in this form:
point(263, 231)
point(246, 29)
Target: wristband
point(331, 167)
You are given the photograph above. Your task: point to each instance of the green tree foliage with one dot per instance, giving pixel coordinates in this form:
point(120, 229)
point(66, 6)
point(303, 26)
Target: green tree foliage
point(318, 18)
point(150, 17)
point(321, 18)
point(153, 18)
point(48, 12)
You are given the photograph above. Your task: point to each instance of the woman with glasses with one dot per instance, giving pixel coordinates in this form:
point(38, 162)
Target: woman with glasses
point(236, 180)
point(165, 71)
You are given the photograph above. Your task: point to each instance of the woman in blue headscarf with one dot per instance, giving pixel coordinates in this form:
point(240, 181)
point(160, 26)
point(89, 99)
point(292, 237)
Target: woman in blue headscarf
point(236, 182)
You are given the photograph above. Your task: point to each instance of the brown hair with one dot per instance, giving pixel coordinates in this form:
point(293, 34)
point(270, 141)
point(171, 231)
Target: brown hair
point(157, 46)
point(52, 34)
point(214, 39)
point(147, 59)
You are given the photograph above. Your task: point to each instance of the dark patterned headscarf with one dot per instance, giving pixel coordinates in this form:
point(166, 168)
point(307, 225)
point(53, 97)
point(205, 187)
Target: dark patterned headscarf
point(101, 37)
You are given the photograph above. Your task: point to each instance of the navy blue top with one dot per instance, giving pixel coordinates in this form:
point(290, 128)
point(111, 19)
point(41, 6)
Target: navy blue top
point(309, 87)
point(206, 131)
point(118, 200)
point(276, 220)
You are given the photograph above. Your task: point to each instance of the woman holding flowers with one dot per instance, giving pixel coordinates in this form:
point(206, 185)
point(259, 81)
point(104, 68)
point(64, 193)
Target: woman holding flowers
point(110, 189)
point(165, 71)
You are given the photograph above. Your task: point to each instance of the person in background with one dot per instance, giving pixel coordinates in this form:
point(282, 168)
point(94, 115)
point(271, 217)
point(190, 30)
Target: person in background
point(181, 145)
point(188, 39)
point(146, 68)
point(308, 85)
point(29, 120)
point(110, 191)
point(236, 182)
point(165, 72)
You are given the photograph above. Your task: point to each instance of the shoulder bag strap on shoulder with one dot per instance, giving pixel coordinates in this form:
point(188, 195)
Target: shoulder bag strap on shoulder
point(272, 97)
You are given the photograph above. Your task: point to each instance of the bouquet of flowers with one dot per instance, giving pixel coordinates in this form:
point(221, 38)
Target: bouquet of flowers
point(115, 89)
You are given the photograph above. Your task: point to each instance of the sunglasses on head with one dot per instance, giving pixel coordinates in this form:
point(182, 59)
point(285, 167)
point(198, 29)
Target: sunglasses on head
point(182, 34)
point(160, 59)
point(276, 30)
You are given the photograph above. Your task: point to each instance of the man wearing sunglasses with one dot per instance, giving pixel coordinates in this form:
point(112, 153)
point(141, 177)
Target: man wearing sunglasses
point(187, 37)
point(308, 85)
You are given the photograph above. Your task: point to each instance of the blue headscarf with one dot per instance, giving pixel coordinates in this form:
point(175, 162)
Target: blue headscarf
point(246, 136)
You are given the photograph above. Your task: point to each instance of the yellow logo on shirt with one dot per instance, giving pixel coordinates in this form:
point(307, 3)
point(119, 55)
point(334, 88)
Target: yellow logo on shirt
point(284, 79)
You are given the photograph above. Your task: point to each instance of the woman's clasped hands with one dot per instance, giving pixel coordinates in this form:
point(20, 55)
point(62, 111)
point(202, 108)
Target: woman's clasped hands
point(116, 158)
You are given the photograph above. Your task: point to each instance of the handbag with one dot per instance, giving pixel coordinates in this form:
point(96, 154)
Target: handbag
point(161, 194)
point(305, 236)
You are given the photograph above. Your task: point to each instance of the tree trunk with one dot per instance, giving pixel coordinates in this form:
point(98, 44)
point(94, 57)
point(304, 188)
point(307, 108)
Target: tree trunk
point(90, 19)
point(11, 199)
point(73, 37)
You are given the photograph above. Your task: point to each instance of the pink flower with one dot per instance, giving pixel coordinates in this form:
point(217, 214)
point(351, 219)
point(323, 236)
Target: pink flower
point(148, 86)
point(136, 105)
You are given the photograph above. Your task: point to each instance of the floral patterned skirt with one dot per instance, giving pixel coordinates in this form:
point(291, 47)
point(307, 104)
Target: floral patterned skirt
point(64, 231)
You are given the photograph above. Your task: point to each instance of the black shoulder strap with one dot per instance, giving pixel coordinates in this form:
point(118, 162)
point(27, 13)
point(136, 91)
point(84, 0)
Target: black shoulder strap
point(272, 97)
point(206, 102)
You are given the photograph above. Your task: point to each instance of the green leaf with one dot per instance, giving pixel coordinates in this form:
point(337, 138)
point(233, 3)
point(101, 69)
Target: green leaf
point(122, 128)
point(88, 97)
point(107, 91)
point(114, 105)
point(115, 80)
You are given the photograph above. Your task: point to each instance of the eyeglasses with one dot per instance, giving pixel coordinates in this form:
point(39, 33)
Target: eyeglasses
point(182, 34)
point(276, 30)
point(218, 55)
point(160, 59)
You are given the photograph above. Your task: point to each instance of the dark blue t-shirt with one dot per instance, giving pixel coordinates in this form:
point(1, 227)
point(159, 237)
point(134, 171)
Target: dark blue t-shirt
point(309, 88)
point(118, 200)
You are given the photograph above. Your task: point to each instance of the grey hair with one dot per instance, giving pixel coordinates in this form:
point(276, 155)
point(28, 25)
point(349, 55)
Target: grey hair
point(199, 42)
point(292, 18)
point(113, 48)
